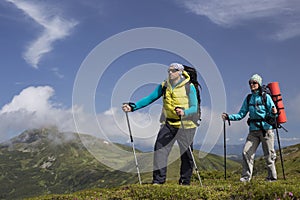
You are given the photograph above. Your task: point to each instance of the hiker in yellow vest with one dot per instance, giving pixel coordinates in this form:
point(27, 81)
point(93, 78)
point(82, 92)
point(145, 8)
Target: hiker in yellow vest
point(177, 103)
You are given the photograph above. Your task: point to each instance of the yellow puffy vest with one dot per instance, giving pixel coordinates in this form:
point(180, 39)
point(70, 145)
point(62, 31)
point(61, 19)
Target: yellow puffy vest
point(176, 97)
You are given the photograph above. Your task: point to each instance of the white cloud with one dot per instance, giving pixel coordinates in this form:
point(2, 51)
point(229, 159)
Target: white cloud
point(289, 30)
point(294, 139)
point(283, 14)
point(235, 133)
point(144, 127)
point(31, 99)
point(55, 28)
point(32, 108)
point(56, 72)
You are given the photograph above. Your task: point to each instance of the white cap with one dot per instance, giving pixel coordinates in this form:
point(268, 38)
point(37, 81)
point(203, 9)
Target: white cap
point(256, 78)
point(177, 66)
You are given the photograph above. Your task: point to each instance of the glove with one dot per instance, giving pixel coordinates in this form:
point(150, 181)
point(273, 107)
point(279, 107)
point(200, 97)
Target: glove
point(225, 116)
point(130, 105)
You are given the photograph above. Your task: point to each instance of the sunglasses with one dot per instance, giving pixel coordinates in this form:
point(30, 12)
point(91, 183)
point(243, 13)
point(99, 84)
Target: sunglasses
point(252, 82)
point(173, 70)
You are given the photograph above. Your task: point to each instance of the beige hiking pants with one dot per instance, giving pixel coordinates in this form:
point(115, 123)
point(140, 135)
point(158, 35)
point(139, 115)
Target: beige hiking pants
point(253, 140)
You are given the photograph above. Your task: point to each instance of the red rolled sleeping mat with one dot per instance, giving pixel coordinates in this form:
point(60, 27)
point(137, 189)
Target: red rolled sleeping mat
point(277, 98)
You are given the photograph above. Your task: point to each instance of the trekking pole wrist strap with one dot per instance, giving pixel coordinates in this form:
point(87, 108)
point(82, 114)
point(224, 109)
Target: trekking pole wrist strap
point(227, 118)
point(131, 105)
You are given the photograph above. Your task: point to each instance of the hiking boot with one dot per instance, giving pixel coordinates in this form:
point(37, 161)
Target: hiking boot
point(156, 183)
point(181, 182)
point(184, 184)
point(244, 179)
point(271, 179)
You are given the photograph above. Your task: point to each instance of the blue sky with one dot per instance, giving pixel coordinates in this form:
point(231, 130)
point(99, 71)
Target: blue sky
point(44, 45)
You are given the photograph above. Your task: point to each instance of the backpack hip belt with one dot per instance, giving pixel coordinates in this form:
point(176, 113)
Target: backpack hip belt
point(259, 124)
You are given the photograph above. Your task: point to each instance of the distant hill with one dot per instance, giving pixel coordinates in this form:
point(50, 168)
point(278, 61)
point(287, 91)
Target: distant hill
point(45, 161)
point(234, 152)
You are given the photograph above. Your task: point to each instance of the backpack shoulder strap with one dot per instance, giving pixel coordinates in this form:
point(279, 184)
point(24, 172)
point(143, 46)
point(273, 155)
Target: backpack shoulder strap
point(264, 98)
point(248, 99)
point(188, 88)
point(164, 88)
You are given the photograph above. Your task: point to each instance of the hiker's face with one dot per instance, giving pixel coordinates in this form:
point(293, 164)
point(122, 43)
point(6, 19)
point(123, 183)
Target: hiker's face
point(173, 73)
point(253, 85)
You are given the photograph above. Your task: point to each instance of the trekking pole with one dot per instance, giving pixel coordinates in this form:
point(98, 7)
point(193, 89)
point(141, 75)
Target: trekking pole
point(279, 146)
point(225, 157)
point(190, 150)
point(133, 149)
point(224, 127)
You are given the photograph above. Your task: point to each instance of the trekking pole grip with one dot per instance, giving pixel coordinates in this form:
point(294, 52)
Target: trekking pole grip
point(227, 118)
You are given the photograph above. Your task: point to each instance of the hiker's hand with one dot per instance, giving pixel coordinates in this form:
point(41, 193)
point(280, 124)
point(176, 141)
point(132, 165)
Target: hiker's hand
point(179, 111)
point(224, 116)
point(274, 110)
point(126, 108)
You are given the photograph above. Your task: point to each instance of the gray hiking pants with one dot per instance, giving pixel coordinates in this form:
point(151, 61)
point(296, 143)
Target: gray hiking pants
point(253, 140)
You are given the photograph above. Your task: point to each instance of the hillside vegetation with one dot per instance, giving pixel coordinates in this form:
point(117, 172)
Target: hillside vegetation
point(212, 189)
point(214, 185)
point(45, 161)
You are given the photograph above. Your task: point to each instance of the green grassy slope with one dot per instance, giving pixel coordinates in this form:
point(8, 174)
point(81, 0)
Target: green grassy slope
point(45, 161)
point(212, 189)
point(214, 185)
point(32, 164)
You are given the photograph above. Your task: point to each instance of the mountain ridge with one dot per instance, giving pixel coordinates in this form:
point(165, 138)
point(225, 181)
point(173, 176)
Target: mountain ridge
point(46, 161)
point(38, 162)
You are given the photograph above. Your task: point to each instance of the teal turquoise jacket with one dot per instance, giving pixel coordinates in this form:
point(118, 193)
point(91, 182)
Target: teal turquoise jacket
point(256, 109)
point(157, 93)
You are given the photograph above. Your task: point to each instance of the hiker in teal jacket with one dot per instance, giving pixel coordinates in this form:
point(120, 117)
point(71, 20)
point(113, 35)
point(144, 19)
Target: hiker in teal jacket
point(259, 107)
point(176, 103)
